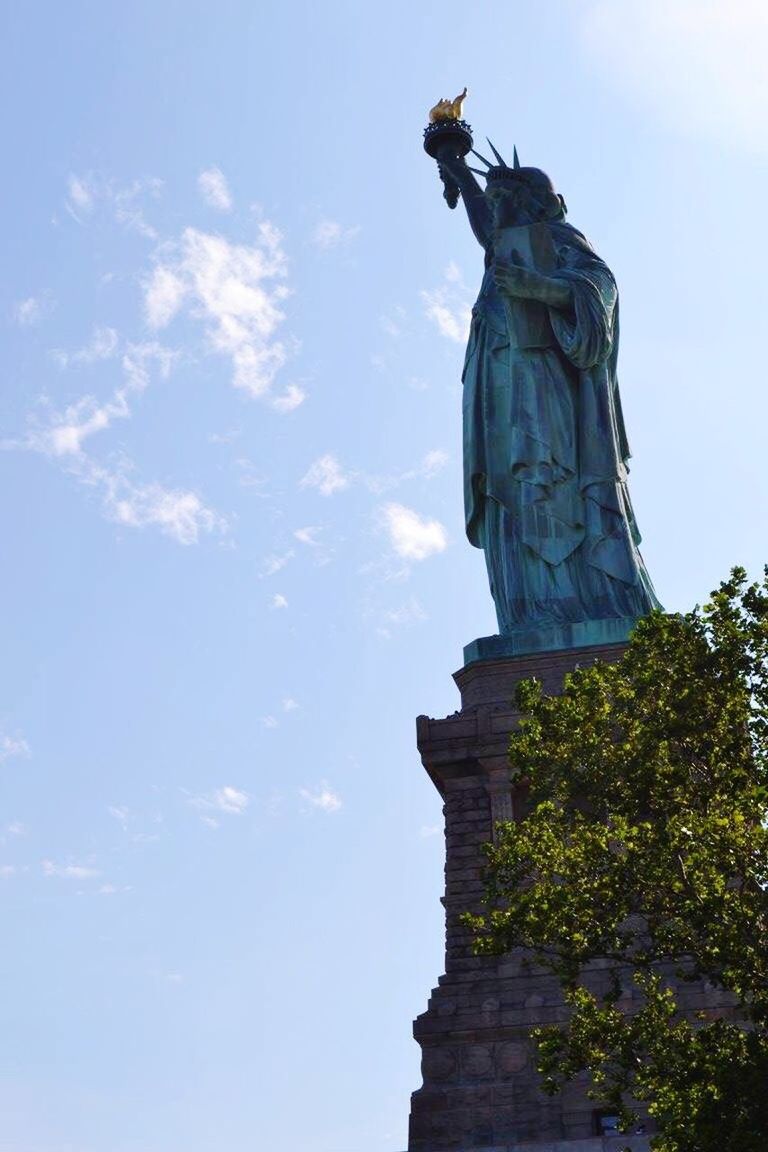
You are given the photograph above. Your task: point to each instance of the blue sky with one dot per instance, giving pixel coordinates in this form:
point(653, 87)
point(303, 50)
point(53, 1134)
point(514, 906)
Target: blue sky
point(233, 309)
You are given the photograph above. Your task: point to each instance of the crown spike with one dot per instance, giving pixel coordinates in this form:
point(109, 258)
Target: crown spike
point(477, 171)
point(516, 159)
point(476, 153)
point(499, 158)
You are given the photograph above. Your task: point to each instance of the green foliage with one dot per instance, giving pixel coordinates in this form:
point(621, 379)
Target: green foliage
point(641, 867)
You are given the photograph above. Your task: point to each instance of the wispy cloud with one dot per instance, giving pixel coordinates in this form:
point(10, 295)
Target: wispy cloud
point(125, 202)
point(323, 797)
point(63, 433)
point(412, 536)
point(275, 562)
point(102, 345)
point(226, 801)
point(289, 704)
point(331, 234)
point(706, 57)
point(178, 512)
point(289, 399)
point(308, 535)
point(81, 196)
point(236, 291)
point(11, 746)
point(278, 601)
point(430, 466)
point(409, 613)
point(120, 813)
point(69, 871)
point(405, 615)
point(28, 313)
point(448, 306)
point(214, 189)
point(326, 475)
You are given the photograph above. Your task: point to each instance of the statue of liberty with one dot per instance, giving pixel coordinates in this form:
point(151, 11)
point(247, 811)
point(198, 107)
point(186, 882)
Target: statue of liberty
point(545, 449)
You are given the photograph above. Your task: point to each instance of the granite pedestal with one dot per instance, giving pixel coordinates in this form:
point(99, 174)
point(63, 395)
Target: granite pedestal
point(480, 1086)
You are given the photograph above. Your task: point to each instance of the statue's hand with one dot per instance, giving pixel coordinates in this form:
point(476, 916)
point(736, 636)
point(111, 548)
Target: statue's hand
point(523, 283)
point(448, 160)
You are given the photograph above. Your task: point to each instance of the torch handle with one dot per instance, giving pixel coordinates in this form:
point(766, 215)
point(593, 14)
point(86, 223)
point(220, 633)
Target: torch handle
point(451, 191)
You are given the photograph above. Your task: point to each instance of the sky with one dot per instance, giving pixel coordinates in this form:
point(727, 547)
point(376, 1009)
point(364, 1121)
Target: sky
point(233, 308)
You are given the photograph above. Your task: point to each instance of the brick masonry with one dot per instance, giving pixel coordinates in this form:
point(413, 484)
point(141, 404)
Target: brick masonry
point(480, 1087)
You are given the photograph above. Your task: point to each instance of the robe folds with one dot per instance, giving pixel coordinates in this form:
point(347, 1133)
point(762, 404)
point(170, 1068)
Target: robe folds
point(545, 453)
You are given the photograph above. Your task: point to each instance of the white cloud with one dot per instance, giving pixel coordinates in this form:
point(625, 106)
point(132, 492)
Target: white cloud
point(409, 613)
point(65, 432)
point(120, 813)
point(279, 601)
point(327, 475)
point(289, 399)
point(289, 704)
point(225, 437)
point(706, 59)
point(275, 562)
point(428, 830)
point(451, 317)
point(163, 295)
point(11, 746)
point(236, 291)
point(308, 535)
point(127, 207)
point(27, 313)
point(177, 512)
point(102, 346)
point(427, 469)
point(81, 196)
point(214, 189)
point(68, 871)
point(85, 193)
point(332, 234)
point(434, 462)
point(15, 828)
point(231, 800)
point(412, 536)
point(6, 871)
point(449, 307)
point(227, 801)
point(269, 721)
point(322, 797)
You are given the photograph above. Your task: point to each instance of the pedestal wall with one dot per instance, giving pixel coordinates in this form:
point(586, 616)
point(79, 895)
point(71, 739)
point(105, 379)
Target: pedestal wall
point(480, 1085)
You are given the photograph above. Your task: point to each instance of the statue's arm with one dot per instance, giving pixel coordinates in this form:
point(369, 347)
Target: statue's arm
point(526, 284)
point(473, 196)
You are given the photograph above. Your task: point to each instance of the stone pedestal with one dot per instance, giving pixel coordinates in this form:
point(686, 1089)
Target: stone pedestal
point(481, 1089)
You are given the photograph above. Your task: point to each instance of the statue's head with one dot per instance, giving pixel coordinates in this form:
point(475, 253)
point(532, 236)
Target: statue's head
point(520, 195)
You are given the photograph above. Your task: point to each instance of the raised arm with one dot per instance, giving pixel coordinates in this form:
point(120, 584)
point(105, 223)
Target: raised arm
point(478, 209)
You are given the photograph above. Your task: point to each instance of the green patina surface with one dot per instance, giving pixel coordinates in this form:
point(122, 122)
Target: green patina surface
point(545, 448)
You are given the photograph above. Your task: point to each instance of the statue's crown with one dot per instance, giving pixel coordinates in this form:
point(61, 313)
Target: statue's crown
point(500, 173)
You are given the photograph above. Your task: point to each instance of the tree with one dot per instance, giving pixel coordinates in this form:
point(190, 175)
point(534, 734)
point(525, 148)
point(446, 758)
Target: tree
point(641, 868)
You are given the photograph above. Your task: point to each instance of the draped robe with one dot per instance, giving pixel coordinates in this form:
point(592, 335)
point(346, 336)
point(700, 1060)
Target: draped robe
point(545, 454)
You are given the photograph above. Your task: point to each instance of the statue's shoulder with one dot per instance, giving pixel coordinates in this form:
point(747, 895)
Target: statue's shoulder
point(575, 251)
point(565, 234)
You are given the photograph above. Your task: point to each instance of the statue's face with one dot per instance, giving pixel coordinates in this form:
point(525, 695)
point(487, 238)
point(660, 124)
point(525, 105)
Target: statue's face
point(513, 205)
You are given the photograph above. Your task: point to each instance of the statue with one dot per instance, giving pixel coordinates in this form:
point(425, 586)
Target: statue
point(545, 449)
